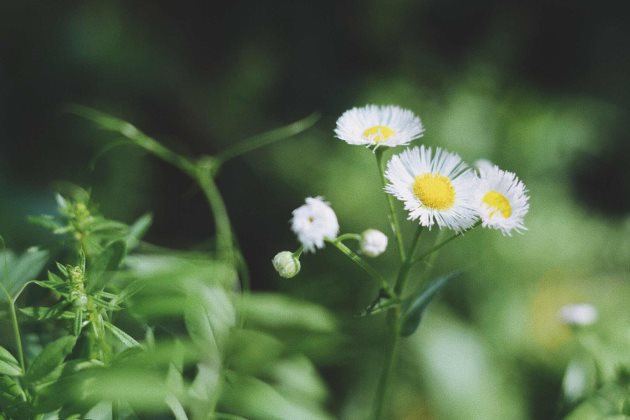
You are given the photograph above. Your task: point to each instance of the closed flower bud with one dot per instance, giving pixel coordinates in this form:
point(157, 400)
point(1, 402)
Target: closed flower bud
point(373, 243)
point(286, 264)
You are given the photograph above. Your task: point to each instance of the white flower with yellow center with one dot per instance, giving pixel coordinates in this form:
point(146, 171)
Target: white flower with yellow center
point(437, 189)
point(502, 200)
point(374, 125)
point(314, 222)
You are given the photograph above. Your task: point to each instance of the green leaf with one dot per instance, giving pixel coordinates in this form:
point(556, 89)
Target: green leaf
point(12, 398)
point(104, 264)
point(137, 230)
point(8, 364)
point(209, 315)
point(17, 272)
point(124, 338)
point(40, 313)
point(50, 358)
point(252, 398)
point(277, 311)
point(381, 303)
point(415, 306)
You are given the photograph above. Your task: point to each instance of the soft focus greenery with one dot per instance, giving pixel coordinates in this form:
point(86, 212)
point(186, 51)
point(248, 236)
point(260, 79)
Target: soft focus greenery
point(537, 88)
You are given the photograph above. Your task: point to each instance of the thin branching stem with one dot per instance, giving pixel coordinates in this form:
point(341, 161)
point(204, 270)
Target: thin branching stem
point(363, 264)
point(441, 244)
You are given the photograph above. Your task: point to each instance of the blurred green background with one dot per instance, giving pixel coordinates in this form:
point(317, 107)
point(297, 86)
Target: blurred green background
point(540, 88)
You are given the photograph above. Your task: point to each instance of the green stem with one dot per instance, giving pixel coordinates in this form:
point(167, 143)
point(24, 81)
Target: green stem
point(441, 244)
point(298, 252)
point(403, 274)
point(16, 334)
point(393, 218)
point(203, 176)
point(364, 265)
point(267, 138)
point(393, 319)
point(390, 360)
point(348, 236)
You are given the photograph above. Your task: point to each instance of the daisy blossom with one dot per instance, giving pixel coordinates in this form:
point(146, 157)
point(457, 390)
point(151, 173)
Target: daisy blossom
point(374, 125)
point(436, 188)
point(502, 200)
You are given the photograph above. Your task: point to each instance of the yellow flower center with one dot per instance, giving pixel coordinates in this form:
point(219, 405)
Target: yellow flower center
point(498, 203)
point(378, 133)
point(435, 191)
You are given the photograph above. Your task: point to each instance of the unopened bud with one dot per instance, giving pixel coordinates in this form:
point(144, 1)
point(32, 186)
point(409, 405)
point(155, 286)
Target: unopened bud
point(286, 264)
point(373, 243)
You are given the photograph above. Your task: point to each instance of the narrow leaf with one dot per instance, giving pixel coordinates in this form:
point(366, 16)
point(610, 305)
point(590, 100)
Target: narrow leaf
point(124, 338)
point(415, 306)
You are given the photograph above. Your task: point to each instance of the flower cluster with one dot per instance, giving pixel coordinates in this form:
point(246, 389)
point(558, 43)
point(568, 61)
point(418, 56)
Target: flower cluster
point(436, 187)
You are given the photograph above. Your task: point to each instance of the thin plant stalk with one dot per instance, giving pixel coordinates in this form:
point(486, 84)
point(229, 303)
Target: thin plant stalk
point(393, 218)
point(364, 265)
point(394, 324)
point(16, 334)
point(441, 244)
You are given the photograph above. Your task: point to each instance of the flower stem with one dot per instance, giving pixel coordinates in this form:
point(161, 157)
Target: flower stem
point(441, 244)
point(203, 176)
point(390, 359)
point(348, 236)
point(393, 218)
point(16, 334)
point(364, 265)
point(394, 323)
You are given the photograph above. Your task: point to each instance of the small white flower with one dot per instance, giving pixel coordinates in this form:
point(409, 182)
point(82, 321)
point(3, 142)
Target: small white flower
point(502, 200)
point(375, 125)
point(286, 264)
point(437, 189)
point(314, 222)
point(580, 314)
point(373, 243)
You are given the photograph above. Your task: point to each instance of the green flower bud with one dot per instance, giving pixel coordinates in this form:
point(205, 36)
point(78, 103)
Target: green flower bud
point(286, 264)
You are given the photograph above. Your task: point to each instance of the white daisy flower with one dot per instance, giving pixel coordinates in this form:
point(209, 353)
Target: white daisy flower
point(375, 125)
point(482, 164)
point(580, 314)
point(502, 200)
point(373, 243)
point(437, 189)
point(314, 222)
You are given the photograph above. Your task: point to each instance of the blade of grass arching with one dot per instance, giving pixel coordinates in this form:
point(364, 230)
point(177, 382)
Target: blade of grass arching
point(129, 131)
point(267, 138)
